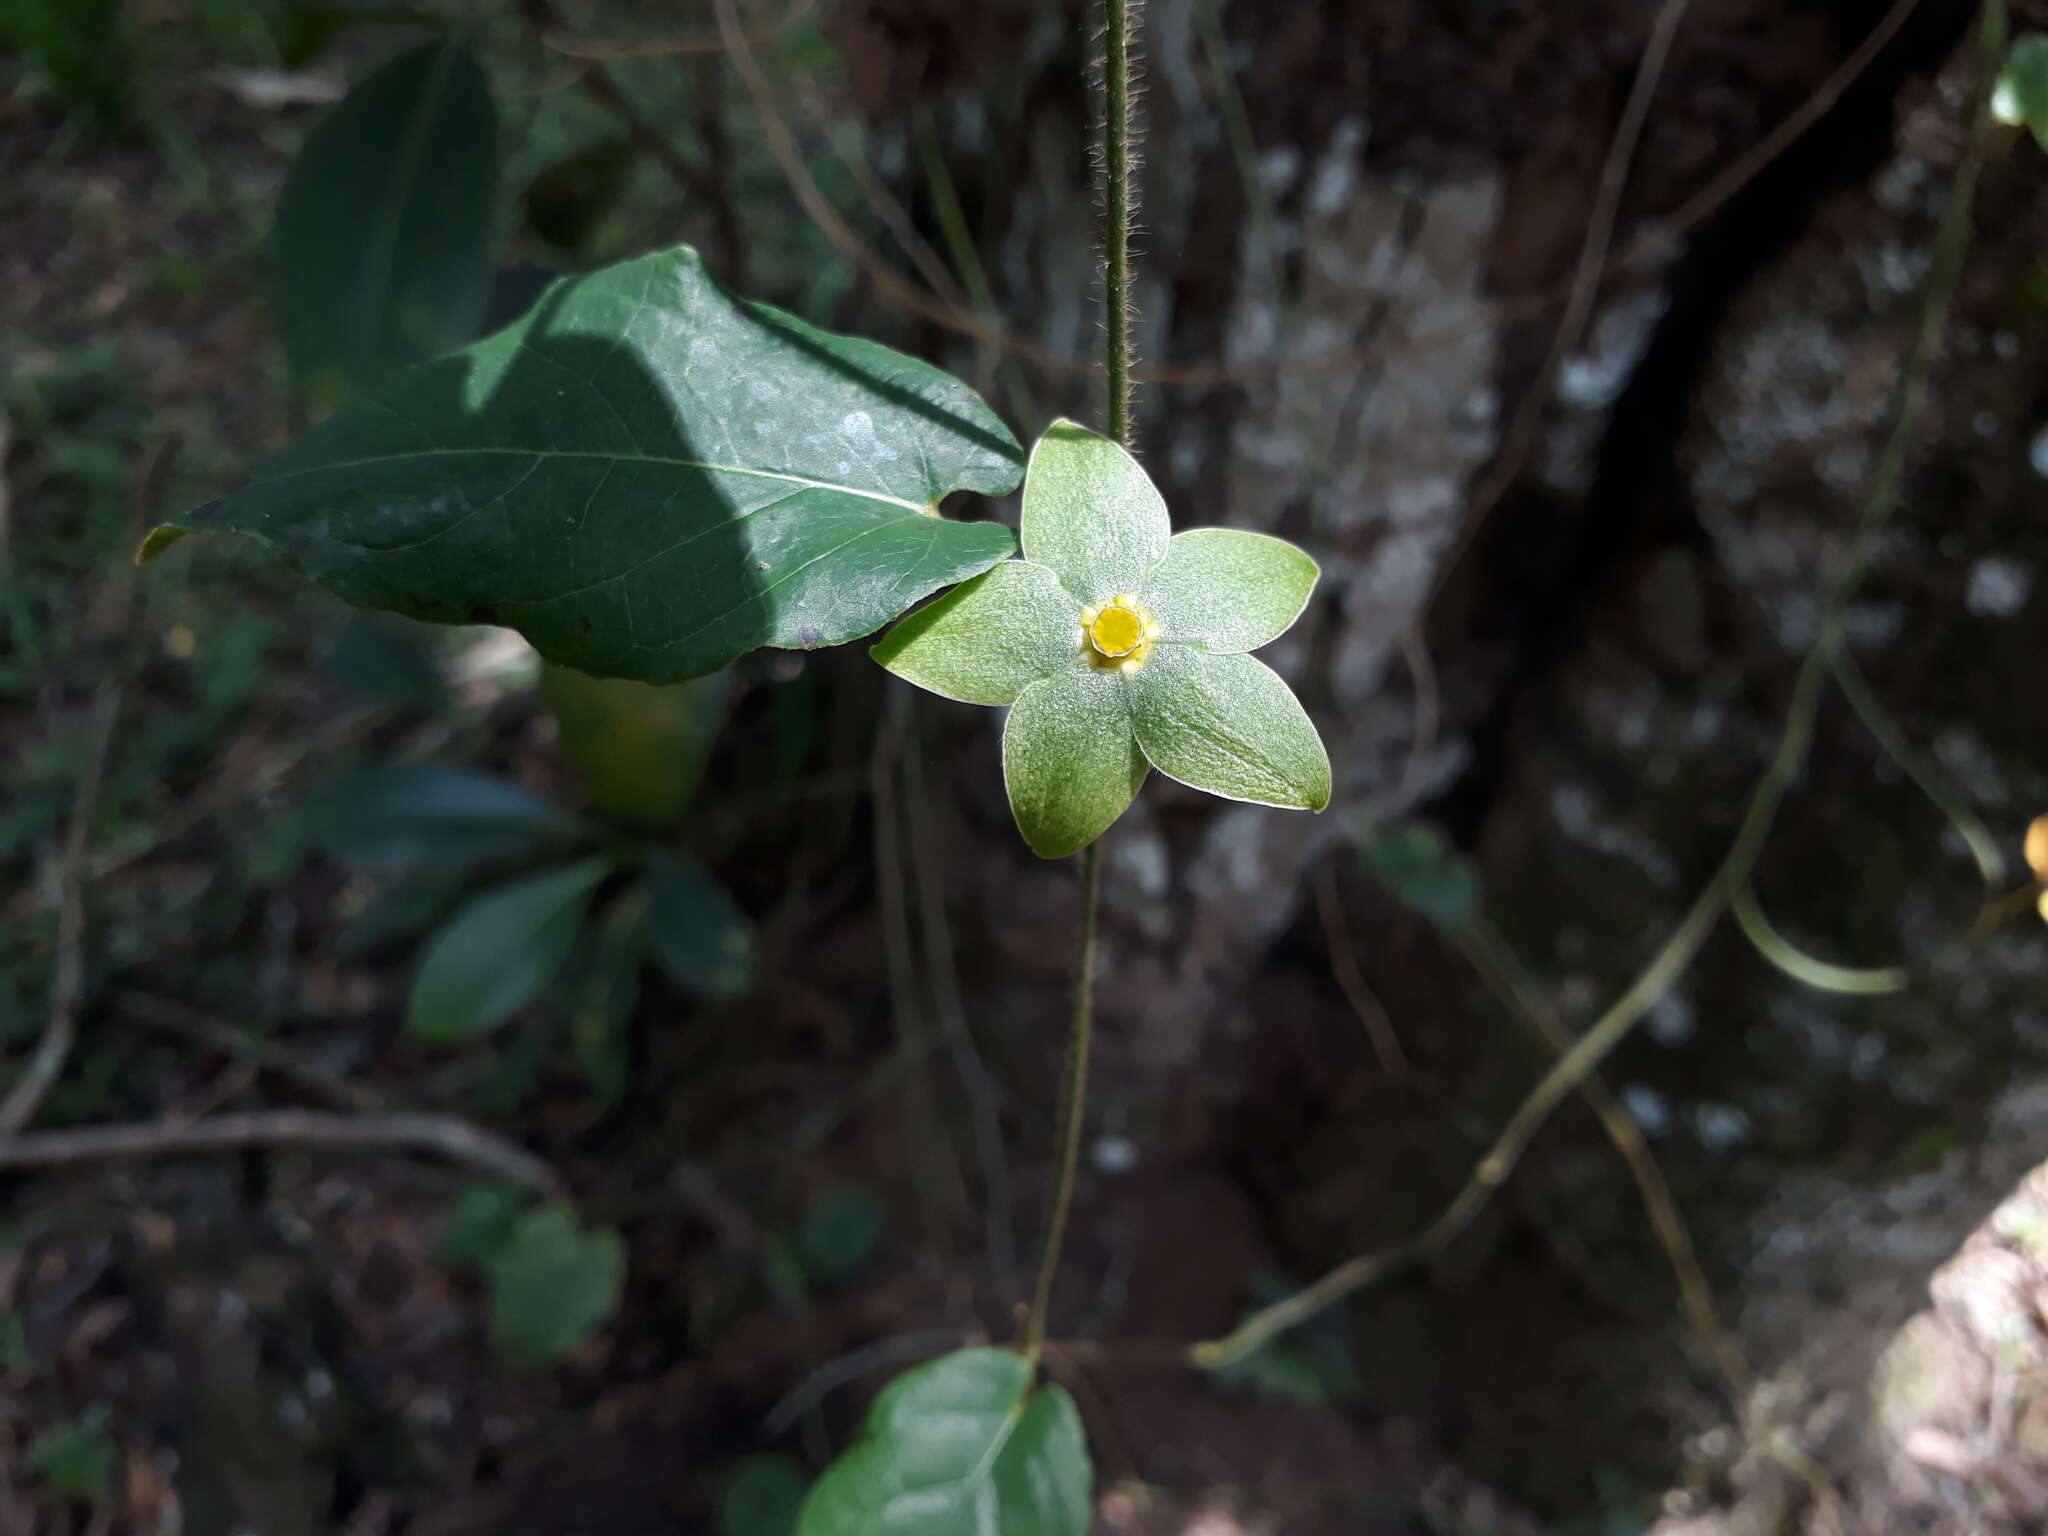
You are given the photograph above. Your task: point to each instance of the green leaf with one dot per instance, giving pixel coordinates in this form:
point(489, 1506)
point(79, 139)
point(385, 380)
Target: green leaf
point(1227, 724)
point(2021, 95)
point(841, 1229)
point(763, 1496)
point(553, 1285)
point(639, 749)
point(1422, 871)
point(428, 814)
point(604, 995)
point(480, 1223)
point(382, 245)
point(645, 477)
point(1070, 761)
point(499, 952)
point(76, 1458)
point(1091, 513)
point(386, 662)
point(1223, 589)
point(988, 639)
point(700, 936)
point(961, 1444)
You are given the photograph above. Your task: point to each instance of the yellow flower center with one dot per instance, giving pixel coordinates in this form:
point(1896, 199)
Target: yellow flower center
point(1119, 632)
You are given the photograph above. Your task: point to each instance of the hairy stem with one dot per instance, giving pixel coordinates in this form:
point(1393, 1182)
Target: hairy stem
point(1120, 17)
point(1119, 158)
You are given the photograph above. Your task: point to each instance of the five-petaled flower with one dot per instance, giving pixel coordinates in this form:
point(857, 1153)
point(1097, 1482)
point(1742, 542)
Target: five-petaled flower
point(1120, 645)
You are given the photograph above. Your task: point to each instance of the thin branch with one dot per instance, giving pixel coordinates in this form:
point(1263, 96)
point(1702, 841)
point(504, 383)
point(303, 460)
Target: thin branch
point(1073, 1099)
point(1527, 421)
point(450, 1137)
point(1787, 762)
point(1350, 977)
point(174, 1018)
point(109, 618)
point(1501, 970)
point(695, 181)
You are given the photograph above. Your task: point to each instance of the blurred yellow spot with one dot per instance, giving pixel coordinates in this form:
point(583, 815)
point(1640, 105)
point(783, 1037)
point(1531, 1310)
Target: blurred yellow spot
point(2037, 847)
point(1119, 632)
point(2041, 906)
point(180, 642)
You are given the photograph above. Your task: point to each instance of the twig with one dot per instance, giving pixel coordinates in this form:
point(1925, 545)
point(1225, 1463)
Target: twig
point(175, 1018)
point(109, 617)
point(452, 1138)
point(1886, 733)
point(1501, 970)
point(67, 971)
point(1344, 966)
point(1073, 1099)
point(1527, 421)
point(694, 180)
point(1787, 762)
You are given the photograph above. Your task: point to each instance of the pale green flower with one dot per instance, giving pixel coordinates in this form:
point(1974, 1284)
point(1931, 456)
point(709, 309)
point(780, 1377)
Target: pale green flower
point(1120, 645)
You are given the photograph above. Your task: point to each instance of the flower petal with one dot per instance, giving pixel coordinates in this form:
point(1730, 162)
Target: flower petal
point(1227, 590)
point(1227, 724)
point(988, 639)
point(1069, 759)
point(1091, 513)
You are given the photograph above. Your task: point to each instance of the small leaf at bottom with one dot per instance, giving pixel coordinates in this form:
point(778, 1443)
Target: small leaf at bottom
point(960, 1445)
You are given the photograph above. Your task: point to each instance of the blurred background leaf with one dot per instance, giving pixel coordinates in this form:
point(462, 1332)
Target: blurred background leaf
point(383, 235)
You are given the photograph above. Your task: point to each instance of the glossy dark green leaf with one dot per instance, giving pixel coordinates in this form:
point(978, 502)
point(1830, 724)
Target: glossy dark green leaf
point(428, 814)
point(382, 245)
point(962, 1444)
point(699, 935)
point(842, 1227)
point(499, 952)
point(645, 477)
point(604, 992)
point(639, 748)
point(762, 1497)
point(1425, 873)
point(552, 1286)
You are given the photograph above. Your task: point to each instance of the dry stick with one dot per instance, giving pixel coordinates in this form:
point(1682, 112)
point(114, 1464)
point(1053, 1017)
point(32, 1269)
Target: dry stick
point(109, 618)
point(67, 972)
point(1794, 743)
point(455, 1139)
point(1527, 422)
point(1502, 971)
point(174, 1018)
point(693, 178)
point(1350, 976)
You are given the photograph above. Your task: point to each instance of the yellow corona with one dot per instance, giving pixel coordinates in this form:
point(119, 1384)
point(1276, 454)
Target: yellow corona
point(1118, 632)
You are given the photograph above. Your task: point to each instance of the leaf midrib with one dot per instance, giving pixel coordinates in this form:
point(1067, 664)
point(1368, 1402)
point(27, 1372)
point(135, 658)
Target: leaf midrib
point(922, 507)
